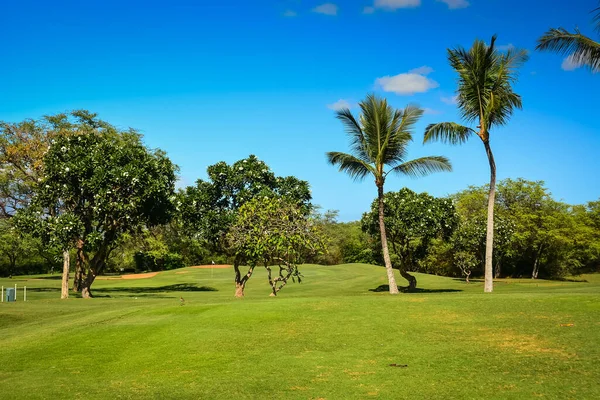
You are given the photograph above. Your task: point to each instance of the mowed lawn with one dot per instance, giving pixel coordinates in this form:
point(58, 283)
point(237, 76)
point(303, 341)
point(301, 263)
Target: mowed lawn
point(329, 337)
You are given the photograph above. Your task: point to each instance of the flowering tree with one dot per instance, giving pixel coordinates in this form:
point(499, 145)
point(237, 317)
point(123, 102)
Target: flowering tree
point(210, 208)
point(272, 231)
point(106, 183)
point(412, 220)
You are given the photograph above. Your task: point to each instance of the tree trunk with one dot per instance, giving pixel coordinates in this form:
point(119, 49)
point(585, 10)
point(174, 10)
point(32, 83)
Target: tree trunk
point(64, 294)
point(536, 264)
point(86, 291)
point(79, 261)
point(489, 240)
point(240, 282)
point(384, 245)
point(412, 281)
point(239, 290)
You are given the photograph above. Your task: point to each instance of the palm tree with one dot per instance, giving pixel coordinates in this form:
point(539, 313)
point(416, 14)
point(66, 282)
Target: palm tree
point(378, 139)
point(582, 50)
point(485, 96)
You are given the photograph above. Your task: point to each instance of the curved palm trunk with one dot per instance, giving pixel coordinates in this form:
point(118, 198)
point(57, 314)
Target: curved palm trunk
point(384, 245)
point(489, 239)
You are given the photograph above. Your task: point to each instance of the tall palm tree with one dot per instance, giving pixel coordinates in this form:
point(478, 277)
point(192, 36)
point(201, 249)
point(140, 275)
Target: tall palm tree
point(582, 50)
point(485, 96)
point(378, 140)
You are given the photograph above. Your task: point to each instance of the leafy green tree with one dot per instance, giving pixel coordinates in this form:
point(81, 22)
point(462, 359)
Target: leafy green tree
point(107, 183)
point(379, 139)
point(208, 209)
point(22, 149)
point(412, 221)
point(346, 242)
point(485, 96)
point(581, 49)
point(272, 230)
point(14, 246)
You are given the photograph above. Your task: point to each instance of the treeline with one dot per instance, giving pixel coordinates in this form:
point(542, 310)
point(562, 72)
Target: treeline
point(157, 228)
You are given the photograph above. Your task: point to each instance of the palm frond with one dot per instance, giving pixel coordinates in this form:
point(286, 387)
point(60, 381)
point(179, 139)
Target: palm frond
point(581, 48)
point(596, 18)
point(399, 134)
point(485, 78)
point(354, 130)
point(353, 166)
point(447, 132)
point(423, 166)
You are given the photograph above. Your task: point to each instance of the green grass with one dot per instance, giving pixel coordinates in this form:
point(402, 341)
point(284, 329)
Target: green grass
point(329, 337)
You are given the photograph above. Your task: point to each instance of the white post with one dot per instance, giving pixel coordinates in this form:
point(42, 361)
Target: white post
point(2, 301)
point(24, 293)
point(15, 292)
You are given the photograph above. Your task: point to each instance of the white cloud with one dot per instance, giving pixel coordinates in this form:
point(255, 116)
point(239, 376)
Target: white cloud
point(409, 83)
point(424, 70)
point(290, 13)
point(569, 64)
point(392, 5)
point(368, 10)
point(456, 4)
point(327, 9)
point(505, 47)
point(450, 100)
point(431, 111)
point(340, 104)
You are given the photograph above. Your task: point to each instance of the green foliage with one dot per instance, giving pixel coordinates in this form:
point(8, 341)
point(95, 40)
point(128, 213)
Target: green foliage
point(157, 261)
point(98, 184)
point(380, 138)
point(534, 234)
point(208, 209)
point(412, 221)
point(273, 230)
point(580, 48)
point(17, 251)
point(346, 242)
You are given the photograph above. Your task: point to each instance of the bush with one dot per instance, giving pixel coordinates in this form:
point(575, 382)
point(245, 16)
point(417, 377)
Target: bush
point(157, 261)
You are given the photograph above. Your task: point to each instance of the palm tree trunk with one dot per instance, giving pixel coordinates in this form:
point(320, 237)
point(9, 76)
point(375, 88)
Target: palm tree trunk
point(489, 240)
point(384, 244)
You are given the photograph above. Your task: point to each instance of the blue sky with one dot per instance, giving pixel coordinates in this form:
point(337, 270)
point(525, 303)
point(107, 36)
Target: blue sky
point(218, 80)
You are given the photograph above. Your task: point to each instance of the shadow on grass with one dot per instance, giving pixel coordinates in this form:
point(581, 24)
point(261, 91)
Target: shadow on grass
point(472, 280)
point(404, 289)
point(54, 277)
point(43, 289)
point(180, 287)
point(144, 295)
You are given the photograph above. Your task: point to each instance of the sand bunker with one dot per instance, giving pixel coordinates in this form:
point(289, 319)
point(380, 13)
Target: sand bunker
point(140, 276)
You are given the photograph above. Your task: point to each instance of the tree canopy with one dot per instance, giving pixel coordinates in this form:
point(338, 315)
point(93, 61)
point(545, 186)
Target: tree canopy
point(106, 183)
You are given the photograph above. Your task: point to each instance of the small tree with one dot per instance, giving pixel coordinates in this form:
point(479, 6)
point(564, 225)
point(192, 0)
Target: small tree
point(209, 208)
point(107, 183)
point(412, 221)
point(268, 231)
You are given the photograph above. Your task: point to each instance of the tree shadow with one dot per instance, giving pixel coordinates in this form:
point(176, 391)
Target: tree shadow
point(404, 289)
point(180, 287)
point(143, 295)
point(471, 280)
point(43, 289)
